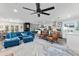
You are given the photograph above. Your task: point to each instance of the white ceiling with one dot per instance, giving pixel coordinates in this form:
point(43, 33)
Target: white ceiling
point(61, 11)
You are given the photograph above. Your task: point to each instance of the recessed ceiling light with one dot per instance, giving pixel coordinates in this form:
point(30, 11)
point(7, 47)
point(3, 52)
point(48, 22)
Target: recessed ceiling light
point(15, 10)
point(68, 15)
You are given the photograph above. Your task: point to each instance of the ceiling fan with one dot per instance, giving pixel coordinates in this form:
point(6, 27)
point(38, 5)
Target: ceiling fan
point(39, 11)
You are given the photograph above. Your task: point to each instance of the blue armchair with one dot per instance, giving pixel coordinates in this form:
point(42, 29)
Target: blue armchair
point(18, 34)
point(27, 36)
point(11, 40)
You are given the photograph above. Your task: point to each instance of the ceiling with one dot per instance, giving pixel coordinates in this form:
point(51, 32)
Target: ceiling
point(61, 11)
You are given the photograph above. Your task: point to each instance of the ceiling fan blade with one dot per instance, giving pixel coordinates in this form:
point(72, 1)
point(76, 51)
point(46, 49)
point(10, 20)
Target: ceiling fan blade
point(45, 13)
point(28, 9)
point(48, 8)
point(41, 13)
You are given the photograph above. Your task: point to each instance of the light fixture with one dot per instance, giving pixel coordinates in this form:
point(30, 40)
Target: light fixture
point(68, 15)
point(15, 10)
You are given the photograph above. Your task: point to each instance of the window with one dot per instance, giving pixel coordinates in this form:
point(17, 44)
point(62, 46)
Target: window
point(6, 28)
point(12, 28)
point(16, 28)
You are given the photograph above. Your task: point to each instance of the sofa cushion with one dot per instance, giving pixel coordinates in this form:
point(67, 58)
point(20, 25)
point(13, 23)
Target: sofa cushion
point(15, 38)
point(23, 34)
point(7, 39)
point(27, 37)
point(10, 35)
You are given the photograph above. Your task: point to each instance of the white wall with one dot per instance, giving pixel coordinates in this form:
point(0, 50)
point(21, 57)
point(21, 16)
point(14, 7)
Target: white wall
point(72, 37)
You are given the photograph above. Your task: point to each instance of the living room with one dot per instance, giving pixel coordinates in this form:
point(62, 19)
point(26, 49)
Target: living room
point(39, 29)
